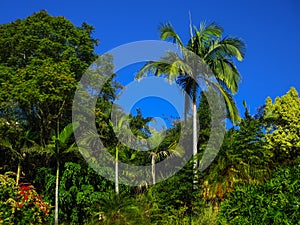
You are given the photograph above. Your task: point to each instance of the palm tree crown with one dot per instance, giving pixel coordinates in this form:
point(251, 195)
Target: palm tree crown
point(219, 54)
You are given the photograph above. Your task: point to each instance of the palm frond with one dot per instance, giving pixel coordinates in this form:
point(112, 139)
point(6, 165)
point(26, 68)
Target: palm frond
point(211, 30)
point(226, 48)
point(49, 149)
point(204, 37)
point(72, 148)
point(6, 143)
point(33, 148)
point(170, 66)
point(148, 68)
point(226, 72)
point(67, 132)
point(167, 32)
point(230, 104)
point(234, 47)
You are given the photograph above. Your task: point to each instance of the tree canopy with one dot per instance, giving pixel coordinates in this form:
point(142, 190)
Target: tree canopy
point(42, 59)
point(283, 126)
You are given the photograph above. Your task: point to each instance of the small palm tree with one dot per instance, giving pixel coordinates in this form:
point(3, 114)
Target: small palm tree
point(57, 147)
point(131, 129)
point(160, 150)
point(122, 130)
point(118, 208)
point(19, 147)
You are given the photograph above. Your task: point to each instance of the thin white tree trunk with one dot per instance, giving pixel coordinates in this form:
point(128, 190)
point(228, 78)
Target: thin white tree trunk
point(18, 173)
point(153, 168)
point(56, 193)
point(195, 140)
point(57, 173)
point(117, 172)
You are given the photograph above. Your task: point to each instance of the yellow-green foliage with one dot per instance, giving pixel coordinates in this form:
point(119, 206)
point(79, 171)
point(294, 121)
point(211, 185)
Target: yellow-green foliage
point(283, 117)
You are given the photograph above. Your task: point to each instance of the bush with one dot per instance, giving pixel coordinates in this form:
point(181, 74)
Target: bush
point(21, 204)
point(274, 202)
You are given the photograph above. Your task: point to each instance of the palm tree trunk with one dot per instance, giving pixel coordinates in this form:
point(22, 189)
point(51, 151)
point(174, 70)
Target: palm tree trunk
point(153, 168)
point(195, 163)
point(18, 173)
point(56, 193)
point(117, 172)
point(57, 173)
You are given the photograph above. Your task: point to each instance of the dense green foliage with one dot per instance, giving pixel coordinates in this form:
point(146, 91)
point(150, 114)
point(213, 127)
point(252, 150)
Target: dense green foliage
point(41, 61)
point(274, 202)
point(44, 179)
point(243, 158)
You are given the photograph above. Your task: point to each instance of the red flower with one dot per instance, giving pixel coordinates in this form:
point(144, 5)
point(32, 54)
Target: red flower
point(19, 205)
point(25, 188)
point(39, 197)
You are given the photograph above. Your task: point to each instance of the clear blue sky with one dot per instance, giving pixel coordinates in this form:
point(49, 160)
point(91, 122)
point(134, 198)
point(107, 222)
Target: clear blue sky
point(271, 30)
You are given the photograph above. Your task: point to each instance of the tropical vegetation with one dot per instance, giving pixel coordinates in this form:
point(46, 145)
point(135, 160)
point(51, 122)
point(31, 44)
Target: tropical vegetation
point(45, 177)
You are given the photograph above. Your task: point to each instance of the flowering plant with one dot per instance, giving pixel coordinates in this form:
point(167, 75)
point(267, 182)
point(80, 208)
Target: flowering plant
point(21, 204)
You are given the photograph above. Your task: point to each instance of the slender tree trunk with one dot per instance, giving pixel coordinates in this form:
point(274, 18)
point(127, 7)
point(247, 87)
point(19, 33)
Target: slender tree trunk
point(195, 139)
point(153, 168)
point(56, 193)
point(18, 173)
point(117, 172)
point(57, 172)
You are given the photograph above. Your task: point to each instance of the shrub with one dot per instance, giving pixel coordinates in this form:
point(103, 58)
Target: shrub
point(21, 204)
point(274, 202)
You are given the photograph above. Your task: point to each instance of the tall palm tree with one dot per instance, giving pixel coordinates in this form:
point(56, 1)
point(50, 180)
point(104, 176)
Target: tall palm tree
point(213, 51)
